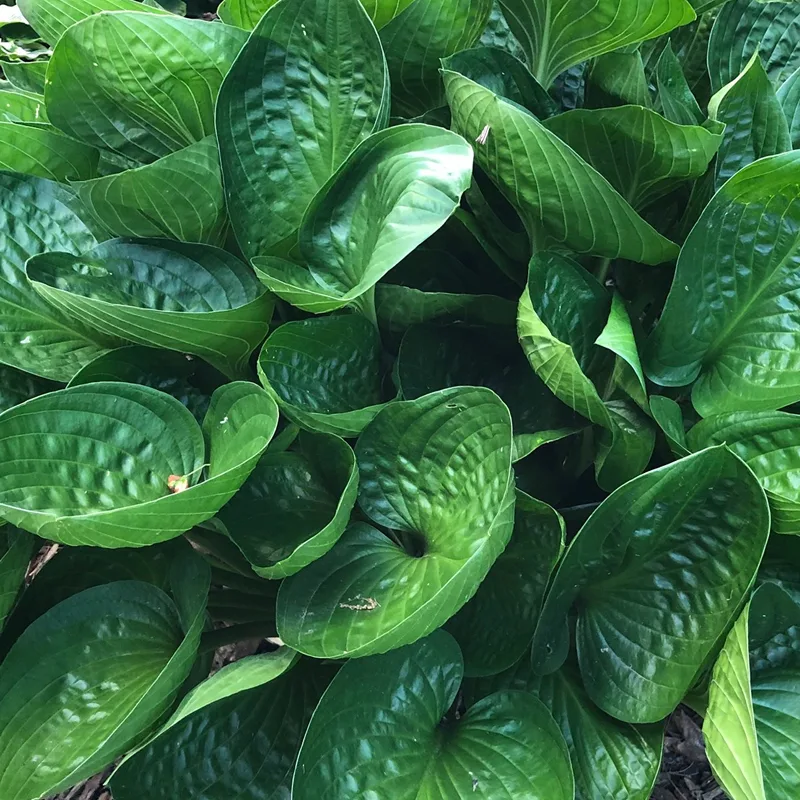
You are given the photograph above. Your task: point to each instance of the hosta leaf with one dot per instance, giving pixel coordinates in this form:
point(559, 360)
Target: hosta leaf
point(789, 97)
point(729, 323)
point(37, 216)
point(497, 34)
point(505, 747)
point(115, 657)
point(310, 84)
point(553, 189)
point(678, 104)
point(35, 151)
point(755, 125)
point(17, 386)
point(556, 34)
point(667, 414)
point(646, 627)
point(155, 95)
point(131, 442)
point(617, 336)
point(16, 551)
point(244, 13)
point(294, 506)
point(179, 196)
point(27, 77)
point(416, 40)
point(369, 594)
point(744, 27)
point(383, 11)
point(325, 373)
point(22, 106)
point(618, 78)
point(625, 449)
point(495, 628)
point(192, 298)
point(642, 154)
point(396, 189)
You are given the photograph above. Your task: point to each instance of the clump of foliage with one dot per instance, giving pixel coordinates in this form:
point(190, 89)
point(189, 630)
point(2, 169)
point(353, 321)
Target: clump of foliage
point(330, 323)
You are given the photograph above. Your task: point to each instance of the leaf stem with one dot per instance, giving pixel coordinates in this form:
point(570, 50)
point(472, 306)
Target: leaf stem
point(366, 305)
point(602, 270)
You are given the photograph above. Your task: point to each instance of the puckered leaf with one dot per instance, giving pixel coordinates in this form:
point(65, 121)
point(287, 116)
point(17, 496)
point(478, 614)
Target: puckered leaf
point(370, 594)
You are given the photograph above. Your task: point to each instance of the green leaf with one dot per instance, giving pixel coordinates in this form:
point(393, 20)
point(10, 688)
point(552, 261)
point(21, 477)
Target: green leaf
point(668, 415)
point(644, 627)
point(505, 747)
point(17, 386)
point(78, 659)
point(643, 155)
point(179, 196)
point(17, 550)
point(258, 707)
point(755, 125)
point(21, 106)
point(397, 188)
point(557, 34)
point(624, 450)
point(35, 151)
point(553, 189)
point(495, 628)
point(310, 84)
point(418, 38)
point(678, 104)
point(155, 96)
point(618, 78)
point(369, 594)
point(498, 35)
point(294, 506)
point(130, 442)
point(788, 95)
point(729, 324)
point(617, 336)
point(192, 298)
point(325, 373)
point(244, 13)
point(745, 27)
point(26, 77)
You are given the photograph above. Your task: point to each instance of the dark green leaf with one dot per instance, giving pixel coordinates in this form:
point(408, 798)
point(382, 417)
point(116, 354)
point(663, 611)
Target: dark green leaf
point(618, 78)
point(16, 387)
point(678, 104)
point(16, 550)
point(789, 97)
point(668, 415)
point(36, 151)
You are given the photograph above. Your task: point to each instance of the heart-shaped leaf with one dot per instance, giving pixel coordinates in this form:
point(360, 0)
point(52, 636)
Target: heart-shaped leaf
point(137, 105)
point(294, 506)
point(729, 324)
point(645, 628)
point(192, 298)
point(369, 593)
point(82, 652)
point(36, 151)
point(140, 453)
point(505, 747)
point(310, 84)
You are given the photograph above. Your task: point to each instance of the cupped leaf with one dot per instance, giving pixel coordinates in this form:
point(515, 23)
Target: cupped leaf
point(557, 34)
point(310, 84)
point(16, 551)
point(397, 189)
point(554, 190)
point(369, 594)
point(115, 656)
point(667, 414)
point(140, 454)
point(646, 626)
point(294, 506)
point(155, 95)
point(179, 196)
point(618, 337)
point(505, 747)
point(192, 298)
point(325, 373)
point(643, 155)
point(495, 628)
point(35, 151)
point(729, 323)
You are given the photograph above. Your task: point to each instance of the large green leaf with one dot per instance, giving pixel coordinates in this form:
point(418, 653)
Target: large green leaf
point(310, 84)
point(659, 571)
point(396, 189)
point(86, 680)
point(642, 154)
point(753, 720)
point(16, 550)
point(554, 190)
point(294, 506)
point(675, 97)
point(392, 707)
point(192, 298)
point(325, 373)
point(369, 593)
point(730, 323)
point(35, 151)
point(131, 442)
point(755, 125)
point(140, 84)
point(38, 216)
point(789, 97)
point(495, 628)
point(244, 13)
point(179, 196)
point(556, 34)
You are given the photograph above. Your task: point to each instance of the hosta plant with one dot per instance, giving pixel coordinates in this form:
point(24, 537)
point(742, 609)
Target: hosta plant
point(438, 359)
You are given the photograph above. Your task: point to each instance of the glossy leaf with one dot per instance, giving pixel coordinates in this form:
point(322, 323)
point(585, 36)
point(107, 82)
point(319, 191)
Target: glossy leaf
point(35, 151)
point(369, 593)
point(187, 297)
point(552, 188)
point(623, 450)
point(308, 87)
point(618, 337)
point(729, 323)
point(669, 417)
point(646, 626)
point(505, 747)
